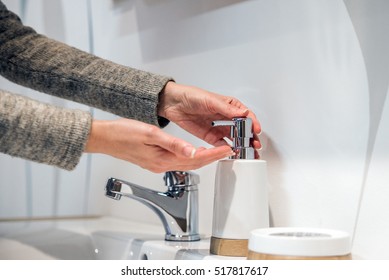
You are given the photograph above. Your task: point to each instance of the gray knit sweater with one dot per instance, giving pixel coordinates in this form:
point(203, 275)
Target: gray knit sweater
point(57, 136)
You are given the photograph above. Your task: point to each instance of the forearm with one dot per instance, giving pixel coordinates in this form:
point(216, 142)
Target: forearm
point(46, 65)
point(42, 132)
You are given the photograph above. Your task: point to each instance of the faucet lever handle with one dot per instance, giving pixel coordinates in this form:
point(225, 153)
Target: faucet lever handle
point(113, 188)
point(181, 179)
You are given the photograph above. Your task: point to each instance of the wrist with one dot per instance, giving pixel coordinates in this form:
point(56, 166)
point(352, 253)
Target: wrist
point(96, 140)
point(166, 98)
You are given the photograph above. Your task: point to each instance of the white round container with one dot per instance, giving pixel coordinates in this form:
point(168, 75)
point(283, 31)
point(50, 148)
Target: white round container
point(299, 243)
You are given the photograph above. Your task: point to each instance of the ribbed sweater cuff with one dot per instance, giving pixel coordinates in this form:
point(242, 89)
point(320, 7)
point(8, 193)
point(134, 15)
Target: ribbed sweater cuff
point(41, 132)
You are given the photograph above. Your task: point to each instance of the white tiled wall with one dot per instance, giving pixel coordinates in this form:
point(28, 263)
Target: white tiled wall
point(314, 72)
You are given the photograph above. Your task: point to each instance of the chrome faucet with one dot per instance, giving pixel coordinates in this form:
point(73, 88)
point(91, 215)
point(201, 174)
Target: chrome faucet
point(177, 207)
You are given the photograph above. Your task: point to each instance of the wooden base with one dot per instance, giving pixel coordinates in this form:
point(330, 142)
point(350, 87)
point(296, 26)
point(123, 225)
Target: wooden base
point(259, 256)
point(229, 247)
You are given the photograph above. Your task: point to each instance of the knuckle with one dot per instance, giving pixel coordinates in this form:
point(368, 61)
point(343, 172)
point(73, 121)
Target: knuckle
point(174, 144)
point(151, 131)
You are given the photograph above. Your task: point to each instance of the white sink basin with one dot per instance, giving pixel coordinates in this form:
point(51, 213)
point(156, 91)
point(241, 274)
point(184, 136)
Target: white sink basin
point(101, 238)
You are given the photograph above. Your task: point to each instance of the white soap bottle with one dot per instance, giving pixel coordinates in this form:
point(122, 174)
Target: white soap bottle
point(241, 195)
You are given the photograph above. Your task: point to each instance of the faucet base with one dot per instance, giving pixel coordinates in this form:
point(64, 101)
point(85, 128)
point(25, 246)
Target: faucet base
point(185, 238)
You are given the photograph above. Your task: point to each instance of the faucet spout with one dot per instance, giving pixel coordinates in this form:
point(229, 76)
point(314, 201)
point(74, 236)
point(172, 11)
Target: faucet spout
point(177, 208)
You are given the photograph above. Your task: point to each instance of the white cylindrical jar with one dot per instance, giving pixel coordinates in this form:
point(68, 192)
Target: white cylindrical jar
point(240, 204)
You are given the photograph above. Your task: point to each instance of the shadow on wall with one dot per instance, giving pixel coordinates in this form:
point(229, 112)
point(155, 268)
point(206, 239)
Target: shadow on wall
point(275, 169)
point(371, 17)
point(209, 5)
point(180, 28)
point(371, 23)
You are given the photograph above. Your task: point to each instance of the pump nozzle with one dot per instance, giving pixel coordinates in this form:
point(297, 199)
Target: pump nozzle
point(241, 135)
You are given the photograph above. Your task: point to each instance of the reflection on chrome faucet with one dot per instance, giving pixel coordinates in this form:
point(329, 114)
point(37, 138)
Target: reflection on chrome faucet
point(177, 207)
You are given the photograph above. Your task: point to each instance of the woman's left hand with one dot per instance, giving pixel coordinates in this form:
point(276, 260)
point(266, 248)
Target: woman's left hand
point(149, 146)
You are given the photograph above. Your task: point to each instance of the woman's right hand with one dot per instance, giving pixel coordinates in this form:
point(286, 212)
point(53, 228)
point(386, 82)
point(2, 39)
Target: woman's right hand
point(149, 146)
point(194, 110)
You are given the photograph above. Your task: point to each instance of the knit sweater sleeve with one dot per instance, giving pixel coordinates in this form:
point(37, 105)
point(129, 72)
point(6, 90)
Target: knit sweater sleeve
point(46, 65)
point(42, 132)
point(57, 136)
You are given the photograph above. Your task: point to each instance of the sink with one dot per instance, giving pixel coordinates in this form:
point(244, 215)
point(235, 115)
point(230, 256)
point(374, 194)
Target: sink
point(111, 245)
point(47, 244)
point(164, 250)
point(99, 238)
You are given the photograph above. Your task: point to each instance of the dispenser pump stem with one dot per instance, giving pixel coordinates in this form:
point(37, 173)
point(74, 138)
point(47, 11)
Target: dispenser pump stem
point(241, 135)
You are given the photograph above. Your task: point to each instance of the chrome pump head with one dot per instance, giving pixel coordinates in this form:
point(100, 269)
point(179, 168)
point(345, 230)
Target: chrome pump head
point(241, 135)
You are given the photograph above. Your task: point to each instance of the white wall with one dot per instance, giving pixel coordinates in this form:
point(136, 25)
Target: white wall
point(316, 74)
point(371, 22)
point(35, 190)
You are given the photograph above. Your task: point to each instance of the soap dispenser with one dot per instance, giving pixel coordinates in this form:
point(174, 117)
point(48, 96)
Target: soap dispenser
point(241, 196)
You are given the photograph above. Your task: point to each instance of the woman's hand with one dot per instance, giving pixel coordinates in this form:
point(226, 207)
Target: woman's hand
point(149, 147)
point(194, 109)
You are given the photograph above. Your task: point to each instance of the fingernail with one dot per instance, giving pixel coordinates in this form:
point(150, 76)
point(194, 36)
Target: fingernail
point(189, 151)
point(245, 111)
point(232, 153)
point(192, 154)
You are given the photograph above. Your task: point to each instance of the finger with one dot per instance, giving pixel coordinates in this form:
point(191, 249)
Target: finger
point(248, 113)
point(256, 125)
point(200, 149)
point(203, 157)
point(173, 144)
point(256, 154)
point(212, 154)
point(220, 142)
point(256, 142)
point(230, 107)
